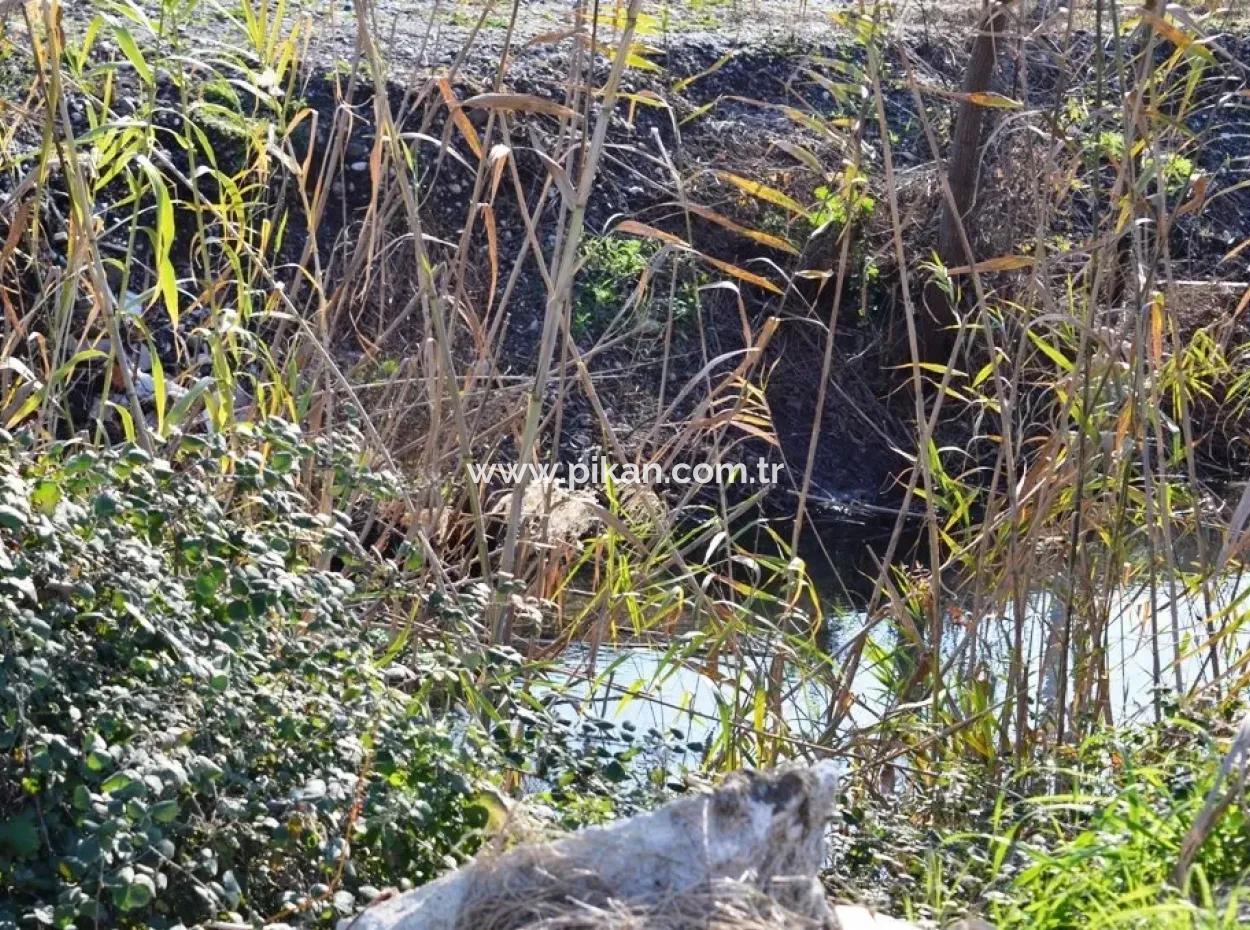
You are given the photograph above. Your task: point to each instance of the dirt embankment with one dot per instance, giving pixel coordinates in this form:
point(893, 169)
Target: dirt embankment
point(764, 95)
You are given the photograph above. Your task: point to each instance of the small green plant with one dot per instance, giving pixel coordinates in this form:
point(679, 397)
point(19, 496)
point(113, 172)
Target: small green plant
point(1110, 145)
point(611, 269)
point(843, 201)
point(1174, 168)
point(467, 19)
point(1105, 853)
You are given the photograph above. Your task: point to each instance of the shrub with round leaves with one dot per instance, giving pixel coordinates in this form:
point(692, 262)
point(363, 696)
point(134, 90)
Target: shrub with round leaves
point(194, 721)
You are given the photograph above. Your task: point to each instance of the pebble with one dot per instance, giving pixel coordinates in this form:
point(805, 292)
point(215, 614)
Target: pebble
point(359, 166)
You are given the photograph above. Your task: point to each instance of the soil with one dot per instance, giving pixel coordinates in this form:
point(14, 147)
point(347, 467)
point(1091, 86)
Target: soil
point(751, 67)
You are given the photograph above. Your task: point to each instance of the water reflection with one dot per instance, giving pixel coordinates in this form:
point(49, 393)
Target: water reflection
point(1150, 636)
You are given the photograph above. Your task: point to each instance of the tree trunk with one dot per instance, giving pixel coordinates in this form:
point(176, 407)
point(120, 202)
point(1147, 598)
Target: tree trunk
point(963, 163)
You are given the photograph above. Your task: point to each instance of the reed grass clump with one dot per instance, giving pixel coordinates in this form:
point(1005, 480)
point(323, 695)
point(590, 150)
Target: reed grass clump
point(991, 321)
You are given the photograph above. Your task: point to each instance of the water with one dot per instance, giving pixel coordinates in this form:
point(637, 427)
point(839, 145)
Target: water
point(634, 685)
point(637, 684)
point(1142, 622)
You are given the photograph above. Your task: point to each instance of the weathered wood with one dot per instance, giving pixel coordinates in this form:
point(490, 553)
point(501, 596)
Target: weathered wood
point(755, 844)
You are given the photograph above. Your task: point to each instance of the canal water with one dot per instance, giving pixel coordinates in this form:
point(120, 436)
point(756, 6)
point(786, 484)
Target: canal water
point(645, 688)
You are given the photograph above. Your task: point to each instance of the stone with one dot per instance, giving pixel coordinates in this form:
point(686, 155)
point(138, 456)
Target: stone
point(745, 855)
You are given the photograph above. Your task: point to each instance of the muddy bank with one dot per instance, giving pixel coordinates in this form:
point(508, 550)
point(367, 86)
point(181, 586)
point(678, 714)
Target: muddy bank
point(783, 104)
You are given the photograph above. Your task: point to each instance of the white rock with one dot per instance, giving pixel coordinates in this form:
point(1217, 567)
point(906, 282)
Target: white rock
point(758, 834)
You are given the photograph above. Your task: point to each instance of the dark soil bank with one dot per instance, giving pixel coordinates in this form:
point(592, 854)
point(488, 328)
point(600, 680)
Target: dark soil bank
point(772, 104)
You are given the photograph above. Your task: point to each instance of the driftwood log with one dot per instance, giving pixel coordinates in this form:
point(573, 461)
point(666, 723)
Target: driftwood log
point(746, 855)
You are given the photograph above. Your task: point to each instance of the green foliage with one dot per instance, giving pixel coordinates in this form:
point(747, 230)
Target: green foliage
point(1175, 169)
point(1110, 144)
point(1103, 854)
point(1091, 841)
point(197, 720)
point(192, 722)
point(611, 268)
point(847, 201)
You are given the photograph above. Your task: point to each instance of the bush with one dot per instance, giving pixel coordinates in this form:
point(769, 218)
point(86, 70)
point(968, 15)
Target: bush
point(1113, 865)
point(1092, 842)
point(193, 723)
